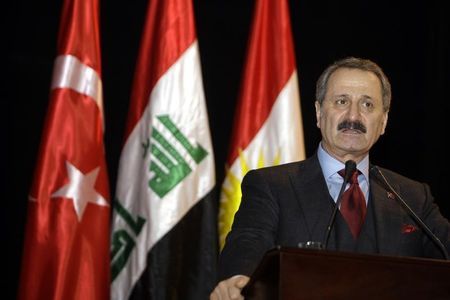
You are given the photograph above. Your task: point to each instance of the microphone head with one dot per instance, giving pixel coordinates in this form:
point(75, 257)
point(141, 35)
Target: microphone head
point(350, 168)
point(374, 171)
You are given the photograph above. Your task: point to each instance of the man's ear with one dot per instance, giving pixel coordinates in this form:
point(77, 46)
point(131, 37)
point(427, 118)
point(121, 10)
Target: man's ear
point(318, 113)
point(384, 121)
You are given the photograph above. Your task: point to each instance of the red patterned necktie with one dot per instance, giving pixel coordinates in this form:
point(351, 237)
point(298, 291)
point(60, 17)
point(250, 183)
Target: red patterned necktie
point(353, 205)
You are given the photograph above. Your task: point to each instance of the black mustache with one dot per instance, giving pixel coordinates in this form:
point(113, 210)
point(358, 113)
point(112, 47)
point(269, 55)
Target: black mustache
point(352, 125)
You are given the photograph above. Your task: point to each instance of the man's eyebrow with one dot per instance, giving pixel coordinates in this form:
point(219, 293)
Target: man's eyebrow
point(366, 97)
point(342, 95)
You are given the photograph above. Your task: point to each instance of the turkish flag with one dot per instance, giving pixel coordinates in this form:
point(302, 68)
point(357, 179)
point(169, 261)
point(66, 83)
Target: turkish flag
point(66, 250)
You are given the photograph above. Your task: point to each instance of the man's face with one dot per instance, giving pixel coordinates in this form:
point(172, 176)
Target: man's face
point(351, 118)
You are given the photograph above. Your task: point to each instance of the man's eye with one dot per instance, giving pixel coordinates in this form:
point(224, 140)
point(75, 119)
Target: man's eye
point(368, 104)
point(341, 101)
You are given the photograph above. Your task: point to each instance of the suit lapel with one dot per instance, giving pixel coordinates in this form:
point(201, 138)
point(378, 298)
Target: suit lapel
point(387, 218)
point(316, 206)
point(313, 197)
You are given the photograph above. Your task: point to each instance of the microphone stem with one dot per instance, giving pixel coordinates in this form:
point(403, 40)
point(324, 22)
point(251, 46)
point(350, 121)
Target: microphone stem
point(416, 218)
point(350, 167)
point(333, 215)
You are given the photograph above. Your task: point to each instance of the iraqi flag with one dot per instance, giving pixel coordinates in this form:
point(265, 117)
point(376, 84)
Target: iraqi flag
point(66, 250)
point(267, 128)
point(164, 240)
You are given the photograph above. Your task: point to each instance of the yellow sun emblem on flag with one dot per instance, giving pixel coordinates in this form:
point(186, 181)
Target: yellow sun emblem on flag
point(230, 198)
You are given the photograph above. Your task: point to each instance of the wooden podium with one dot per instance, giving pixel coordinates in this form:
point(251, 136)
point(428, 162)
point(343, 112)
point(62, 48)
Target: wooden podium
point(293, 273)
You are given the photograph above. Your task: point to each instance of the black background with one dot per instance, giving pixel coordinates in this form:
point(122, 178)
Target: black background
point(410, 41)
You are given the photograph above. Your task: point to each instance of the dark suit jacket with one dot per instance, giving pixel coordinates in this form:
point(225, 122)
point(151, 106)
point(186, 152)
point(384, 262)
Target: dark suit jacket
point(290, 203)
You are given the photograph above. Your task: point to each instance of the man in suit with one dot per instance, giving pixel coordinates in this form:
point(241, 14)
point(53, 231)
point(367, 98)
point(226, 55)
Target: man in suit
point(292, 203)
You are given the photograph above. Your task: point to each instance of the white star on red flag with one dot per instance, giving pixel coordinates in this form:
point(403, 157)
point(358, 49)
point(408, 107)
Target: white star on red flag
point(81, 189)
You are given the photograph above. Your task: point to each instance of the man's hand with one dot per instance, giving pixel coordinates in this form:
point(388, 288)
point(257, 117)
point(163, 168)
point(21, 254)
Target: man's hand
point(230, 288)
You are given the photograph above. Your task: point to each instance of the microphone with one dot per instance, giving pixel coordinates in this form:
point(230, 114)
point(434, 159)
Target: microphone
point(350, 168)
point(378, 174)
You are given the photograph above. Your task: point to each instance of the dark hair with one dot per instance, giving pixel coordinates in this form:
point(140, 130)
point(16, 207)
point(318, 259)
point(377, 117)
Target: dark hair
point(355, 63)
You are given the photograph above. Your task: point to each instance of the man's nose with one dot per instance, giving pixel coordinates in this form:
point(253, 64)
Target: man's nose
point(354, 111)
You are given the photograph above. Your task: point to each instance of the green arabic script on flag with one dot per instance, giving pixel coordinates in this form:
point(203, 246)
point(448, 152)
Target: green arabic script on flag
point(169, 168)
point(167, 156)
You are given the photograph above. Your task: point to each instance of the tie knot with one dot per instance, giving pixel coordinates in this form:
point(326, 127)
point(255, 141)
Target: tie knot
point(353, 178)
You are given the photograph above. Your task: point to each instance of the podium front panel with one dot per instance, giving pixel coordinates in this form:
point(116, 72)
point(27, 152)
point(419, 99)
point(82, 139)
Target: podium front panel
point(290, 273)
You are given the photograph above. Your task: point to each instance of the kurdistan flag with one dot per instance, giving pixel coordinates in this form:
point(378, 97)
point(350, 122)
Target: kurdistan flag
point(267, 128)
point(66, 250)
point(164, 241)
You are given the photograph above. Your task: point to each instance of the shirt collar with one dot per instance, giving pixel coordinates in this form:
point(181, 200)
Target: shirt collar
point(331, 165)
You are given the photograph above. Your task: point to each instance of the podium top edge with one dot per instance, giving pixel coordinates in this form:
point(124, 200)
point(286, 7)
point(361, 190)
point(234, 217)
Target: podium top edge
point(282, 250)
